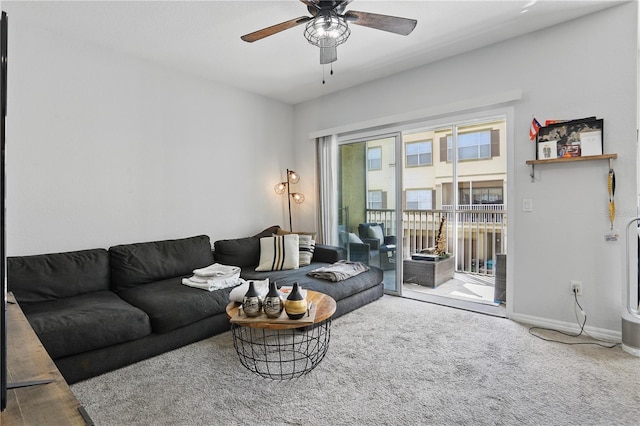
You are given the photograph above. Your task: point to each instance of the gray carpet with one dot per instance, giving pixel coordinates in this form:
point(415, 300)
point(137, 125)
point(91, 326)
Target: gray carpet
point(395, 361)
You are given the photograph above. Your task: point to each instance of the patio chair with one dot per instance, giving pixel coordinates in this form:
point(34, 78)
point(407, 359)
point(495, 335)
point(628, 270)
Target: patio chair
point(382, 246)
point(359, 251)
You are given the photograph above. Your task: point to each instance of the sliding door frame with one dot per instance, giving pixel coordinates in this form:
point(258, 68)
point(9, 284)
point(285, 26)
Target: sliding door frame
point(397, 225)
point(448, 115)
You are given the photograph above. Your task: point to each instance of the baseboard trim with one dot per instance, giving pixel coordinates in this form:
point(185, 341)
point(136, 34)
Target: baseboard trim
point(567, 327)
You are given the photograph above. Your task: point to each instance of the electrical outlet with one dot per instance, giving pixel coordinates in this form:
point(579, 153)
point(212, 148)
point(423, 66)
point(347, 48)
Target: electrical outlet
point(576, 287)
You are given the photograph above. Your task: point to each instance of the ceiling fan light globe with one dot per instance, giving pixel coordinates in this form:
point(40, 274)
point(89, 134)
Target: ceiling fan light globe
point(327, 30)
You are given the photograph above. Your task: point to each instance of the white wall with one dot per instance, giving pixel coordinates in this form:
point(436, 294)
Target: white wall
point(106, 149)
point(581, 68)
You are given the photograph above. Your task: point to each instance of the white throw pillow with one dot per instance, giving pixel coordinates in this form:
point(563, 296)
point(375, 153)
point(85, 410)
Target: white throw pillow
point(307, 246)
point(285, 232)
point(353, 238)
point(261, 286)
point(279, 252)
point(375, 231)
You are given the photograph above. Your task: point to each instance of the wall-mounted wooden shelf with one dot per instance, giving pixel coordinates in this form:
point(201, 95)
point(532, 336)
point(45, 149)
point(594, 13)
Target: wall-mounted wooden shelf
point(533, 163)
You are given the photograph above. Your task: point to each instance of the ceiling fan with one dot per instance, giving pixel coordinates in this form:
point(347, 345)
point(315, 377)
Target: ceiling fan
point(327, 27)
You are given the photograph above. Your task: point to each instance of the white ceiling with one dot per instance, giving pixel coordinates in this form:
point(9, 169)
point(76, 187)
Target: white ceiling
point(203, 37)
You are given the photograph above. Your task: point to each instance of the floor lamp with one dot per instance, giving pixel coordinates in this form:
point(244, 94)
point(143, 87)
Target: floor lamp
point(298, 198)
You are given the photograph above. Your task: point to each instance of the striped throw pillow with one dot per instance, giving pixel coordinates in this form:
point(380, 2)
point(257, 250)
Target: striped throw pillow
point(307, 246)
point(279, 253)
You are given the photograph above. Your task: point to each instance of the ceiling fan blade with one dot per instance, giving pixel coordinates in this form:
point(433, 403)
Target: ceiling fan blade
point(392, 24)
point(265, 32)
point(342, 6)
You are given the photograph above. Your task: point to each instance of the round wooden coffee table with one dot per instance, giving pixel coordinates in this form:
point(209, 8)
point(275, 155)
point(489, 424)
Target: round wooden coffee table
point(283, 348)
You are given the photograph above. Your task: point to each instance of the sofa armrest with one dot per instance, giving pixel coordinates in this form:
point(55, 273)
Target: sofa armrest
point(328, 254)
point(390, 239)
point(374, 243)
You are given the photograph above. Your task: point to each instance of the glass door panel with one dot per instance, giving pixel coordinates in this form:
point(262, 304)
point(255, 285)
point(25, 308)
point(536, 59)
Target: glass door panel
point(454, 180)
point(367, 200)
point(427, 197)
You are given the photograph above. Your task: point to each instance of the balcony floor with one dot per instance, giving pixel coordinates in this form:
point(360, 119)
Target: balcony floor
point(465, 291)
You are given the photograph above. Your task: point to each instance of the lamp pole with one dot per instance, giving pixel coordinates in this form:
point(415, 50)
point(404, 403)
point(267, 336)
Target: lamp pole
point(289, 200)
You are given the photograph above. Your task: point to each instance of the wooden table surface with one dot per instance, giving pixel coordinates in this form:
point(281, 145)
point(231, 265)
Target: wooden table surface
point(325, 308)
point(27, 360)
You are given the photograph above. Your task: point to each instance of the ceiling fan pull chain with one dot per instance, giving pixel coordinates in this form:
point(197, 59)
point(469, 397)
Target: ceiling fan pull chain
point(323, 67)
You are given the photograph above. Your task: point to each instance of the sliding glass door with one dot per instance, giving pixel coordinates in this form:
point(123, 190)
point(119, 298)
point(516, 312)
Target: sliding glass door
point(454, 191)
point(400, 194)
point(368, 202)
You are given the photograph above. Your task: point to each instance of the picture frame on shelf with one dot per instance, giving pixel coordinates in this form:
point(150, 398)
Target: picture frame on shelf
point(547, 150)
point(575, 138)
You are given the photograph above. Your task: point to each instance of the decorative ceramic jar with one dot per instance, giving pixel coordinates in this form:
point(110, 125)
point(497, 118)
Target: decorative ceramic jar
point(295, 305)
point(273, 303)
point(252, 303)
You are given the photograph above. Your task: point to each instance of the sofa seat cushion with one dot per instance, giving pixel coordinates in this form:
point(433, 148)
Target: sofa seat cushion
point(141, 263)
point(171, 304)
point(337, 290)
point(82, 323)
point(45, 277)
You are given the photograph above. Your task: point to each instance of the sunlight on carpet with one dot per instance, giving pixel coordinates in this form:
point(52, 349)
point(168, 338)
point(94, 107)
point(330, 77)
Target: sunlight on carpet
point(477, 293)
point(467, 287)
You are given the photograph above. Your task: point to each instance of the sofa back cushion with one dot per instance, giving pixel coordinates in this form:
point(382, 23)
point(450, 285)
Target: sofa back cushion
point(45, 277)
point(242, 251)
point(141, 263)
point(238, 252)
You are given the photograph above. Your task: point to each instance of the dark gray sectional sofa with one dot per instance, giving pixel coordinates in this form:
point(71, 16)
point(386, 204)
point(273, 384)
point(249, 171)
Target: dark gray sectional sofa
point(97, 310)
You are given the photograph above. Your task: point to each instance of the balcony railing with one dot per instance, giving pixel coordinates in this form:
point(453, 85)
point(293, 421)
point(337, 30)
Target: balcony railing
point(481, 233)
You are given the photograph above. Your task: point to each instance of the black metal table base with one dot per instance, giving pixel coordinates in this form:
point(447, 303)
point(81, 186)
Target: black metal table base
point(281, 354)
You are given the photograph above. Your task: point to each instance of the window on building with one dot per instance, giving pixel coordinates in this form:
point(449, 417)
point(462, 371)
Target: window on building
point(374, 158)
point(419, 199)
point(419, 153)
point(481, 196)
point(477, 145)
point(471, 146)
point(375, 200)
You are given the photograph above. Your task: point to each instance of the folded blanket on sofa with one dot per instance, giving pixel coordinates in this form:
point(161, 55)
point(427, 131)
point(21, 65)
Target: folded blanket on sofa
point(341, 270)
point(213, 284)
point(214, 277)
point(217, 270)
